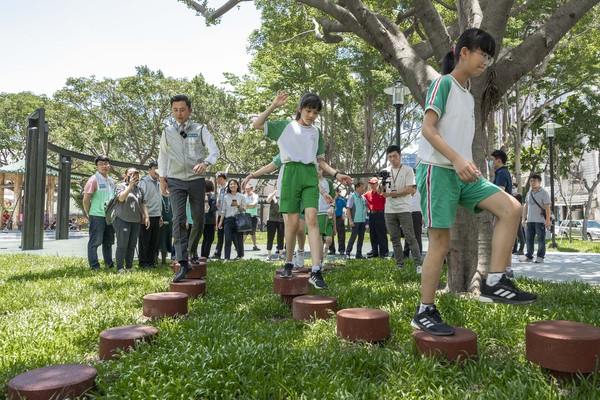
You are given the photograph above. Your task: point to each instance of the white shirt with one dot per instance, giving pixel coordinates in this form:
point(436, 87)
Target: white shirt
point(399, 179)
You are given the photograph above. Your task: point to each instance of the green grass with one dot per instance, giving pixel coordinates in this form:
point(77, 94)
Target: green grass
point(575, 246)
point(241, 342)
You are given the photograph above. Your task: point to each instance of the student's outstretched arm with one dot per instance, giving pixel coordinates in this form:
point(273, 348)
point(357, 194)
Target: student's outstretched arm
point(280, 99)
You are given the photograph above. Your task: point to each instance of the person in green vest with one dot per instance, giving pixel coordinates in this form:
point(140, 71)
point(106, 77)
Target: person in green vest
point(99, 189)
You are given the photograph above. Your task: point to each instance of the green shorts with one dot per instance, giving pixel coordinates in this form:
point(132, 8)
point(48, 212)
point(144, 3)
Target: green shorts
point(325, 225)
point(299, 187)
point(442, 190)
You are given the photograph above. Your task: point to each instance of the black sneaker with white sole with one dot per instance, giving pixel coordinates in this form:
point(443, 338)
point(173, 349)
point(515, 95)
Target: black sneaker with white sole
point(505, 291)
point(287, 270)
point(431, 322)
point(316, 279)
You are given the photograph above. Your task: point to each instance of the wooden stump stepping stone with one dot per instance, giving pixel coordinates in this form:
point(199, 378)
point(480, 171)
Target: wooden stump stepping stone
point(367, 324)
point(64, 381)
point(194, 288)
point(317, 307)
point(564, 348)
point(165, 304)
point(198, 270)
point(462, 345)
point(292, 287)
point(124, 338)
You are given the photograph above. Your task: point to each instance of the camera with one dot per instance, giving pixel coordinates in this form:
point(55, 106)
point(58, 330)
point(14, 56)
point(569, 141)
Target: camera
point(384, 175)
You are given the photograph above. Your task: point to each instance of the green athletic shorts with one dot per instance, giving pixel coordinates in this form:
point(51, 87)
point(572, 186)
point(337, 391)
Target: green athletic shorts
point(299, 187)
point(325, 225)
point(442, 190)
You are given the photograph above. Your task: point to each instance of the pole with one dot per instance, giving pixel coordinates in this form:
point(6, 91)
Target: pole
point(398, 123)
point(552, 234)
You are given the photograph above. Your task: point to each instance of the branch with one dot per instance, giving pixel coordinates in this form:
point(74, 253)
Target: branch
point(447, 6)
point(517, 62)
point(213, 15)
point(435, 29)
point(495, 19)
point(522, 7)
point(407, 14)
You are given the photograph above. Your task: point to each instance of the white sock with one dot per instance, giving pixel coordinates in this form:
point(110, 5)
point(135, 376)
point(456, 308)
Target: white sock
point(423, 306)
point(494, 278)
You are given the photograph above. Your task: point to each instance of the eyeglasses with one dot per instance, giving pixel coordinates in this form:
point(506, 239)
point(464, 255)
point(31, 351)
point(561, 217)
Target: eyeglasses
point(487, 59)
point(183, 134)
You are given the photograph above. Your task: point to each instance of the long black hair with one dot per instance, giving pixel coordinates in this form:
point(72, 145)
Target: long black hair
point(472, 39)
point(311, 101)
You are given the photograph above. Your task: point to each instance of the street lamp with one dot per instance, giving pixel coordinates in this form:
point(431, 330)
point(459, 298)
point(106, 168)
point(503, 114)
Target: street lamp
point(398, 91)
point(550, 127)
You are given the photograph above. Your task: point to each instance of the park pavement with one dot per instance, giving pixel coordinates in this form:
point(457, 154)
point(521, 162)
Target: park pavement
point(557, 267)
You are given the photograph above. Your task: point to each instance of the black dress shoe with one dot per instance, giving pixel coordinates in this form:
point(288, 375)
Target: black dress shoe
point(371, 255)
point(184, 268)
point(360, 257)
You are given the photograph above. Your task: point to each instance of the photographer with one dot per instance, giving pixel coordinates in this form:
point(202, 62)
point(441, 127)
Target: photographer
point(130, 212)
point(377, 230)
point(398, 215)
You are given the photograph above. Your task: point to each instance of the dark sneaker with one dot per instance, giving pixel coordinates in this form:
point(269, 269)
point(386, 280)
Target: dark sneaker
point(431, 322)
point(255, 248)
point(184, 268)
point(195, 260)
point(505, 291)
point(287, 270)
point(316, 279)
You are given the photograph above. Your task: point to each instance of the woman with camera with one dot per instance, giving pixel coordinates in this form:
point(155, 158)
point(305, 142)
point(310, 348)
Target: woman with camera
point(130, 212)
point(233, 203)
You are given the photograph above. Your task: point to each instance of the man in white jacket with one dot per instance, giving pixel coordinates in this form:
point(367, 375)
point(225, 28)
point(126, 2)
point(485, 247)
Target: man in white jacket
point(187, 149)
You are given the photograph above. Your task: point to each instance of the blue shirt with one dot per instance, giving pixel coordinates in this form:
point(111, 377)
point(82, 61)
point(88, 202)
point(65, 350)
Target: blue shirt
point(503, 179)
point(340, 204)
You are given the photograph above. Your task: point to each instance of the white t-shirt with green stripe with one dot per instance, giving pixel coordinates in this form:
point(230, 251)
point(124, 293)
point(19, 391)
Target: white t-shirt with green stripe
point(297, 143)
point(454, 106)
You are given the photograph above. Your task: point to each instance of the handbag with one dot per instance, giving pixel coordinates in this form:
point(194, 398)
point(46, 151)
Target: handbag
point(109, 210)
point(243, 222)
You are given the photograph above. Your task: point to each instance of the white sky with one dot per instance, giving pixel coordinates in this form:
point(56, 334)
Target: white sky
point(43, 42)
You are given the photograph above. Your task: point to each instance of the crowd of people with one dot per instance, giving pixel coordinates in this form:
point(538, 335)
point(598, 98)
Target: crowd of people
point(175, 201)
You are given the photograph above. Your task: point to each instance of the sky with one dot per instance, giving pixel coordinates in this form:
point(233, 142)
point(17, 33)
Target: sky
point(44, 42)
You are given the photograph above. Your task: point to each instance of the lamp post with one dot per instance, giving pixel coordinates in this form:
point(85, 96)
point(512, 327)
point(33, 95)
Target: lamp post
point(398, 91)
point(550, 127)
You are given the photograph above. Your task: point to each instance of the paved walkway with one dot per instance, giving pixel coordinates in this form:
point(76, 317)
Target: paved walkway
point(558, 267)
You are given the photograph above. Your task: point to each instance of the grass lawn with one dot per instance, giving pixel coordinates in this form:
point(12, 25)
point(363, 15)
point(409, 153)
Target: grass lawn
point(241, 342)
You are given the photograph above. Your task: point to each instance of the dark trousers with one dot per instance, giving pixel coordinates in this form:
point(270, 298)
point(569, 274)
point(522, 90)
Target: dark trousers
point(272, 228)
point(220, 241)
point(179, 191)
point(127, 237)
point(148, 243)
point(232, 236)
point(520, 239)
point(417, 218)
point(358, 230)
point(340, 228)
point(100, 234)
point(378, 231)
point(533, 229)
point(207, 240)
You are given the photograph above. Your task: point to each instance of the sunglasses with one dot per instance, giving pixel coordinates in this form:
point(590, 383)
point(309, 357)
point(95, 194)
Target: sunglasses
point(183, 134)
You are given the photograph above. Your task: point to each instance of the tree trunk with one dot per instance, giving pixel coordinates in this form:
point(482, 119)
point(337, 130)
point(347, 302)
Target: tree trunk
point(369, 101)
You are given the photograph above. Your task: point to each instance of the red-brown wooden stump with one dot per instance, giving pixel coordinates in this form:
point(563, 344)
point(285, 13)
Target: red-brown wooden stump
point(317, 307)
point(54, 382)
point(289, 288)
point(124, 338)
point(194, 288)
point(198, 270)
point(461, 345)
point(563, 347)
point(165, 304)
point(366, 324)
